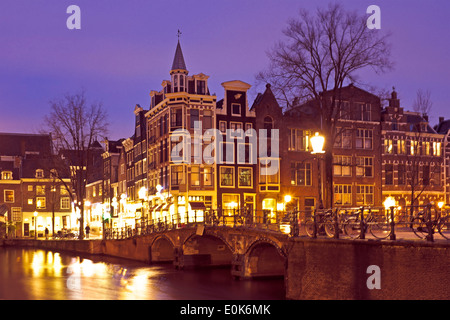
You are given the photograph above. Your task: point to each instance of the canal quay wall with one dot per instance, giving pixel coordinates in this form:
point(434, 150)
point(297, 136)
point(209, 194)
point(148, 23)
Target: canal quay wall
point(319, 268)
point(364, 269)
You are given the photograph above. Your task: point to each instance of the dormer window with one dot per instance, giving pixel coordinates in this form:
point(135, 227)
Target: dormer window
point(39, 173)
point(6, 175)
point(201, 87)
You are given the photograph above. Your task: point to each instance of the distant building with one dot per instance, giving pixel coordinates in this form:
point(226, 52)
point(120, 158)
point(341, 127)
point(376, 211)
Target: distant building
point(413, 167)
point(30, 191)
point(443, 128)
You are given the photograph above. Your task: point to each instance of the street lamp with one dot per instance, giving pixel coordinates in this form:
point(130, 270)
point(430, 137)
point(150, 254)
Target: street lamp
point(143, 197)
point(317, 143)
point(287, 198)
point(35, 224)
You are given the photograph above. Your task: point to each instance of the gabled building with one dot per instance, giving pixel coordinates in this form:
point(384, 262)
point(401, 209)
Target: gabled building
point(237, 150)
point(180, 112)
point(413, 168)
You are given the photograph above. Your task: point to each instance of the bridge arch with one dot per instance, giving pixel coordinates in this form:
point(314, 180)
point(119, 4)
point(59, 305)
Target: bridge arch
point(161, 249)
point(206, 250)
point(264, 258)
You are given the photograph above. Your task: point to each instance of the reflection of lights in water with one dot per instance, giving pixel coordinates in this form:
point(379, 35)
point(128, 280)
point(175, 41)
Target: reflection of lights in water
point(37, 263)
point(57, 265)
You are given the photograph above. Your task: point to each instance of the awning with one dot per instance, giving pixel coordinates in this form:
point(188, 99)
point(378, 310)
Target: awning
point(3, 210)
point(197, 205)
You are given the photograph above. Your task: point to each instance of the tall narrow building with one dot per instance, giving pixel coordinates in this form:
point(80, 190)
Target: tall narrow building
point(181, 186)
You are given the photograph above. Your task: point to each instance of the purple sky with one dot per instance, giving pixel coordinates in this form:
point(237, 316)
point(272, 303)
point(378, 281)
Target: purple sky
point(125, 49)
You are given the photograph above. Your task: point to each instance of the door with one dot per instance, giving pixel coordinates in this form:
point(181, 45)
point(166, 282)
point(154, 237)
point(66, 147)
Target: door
point(26, 229)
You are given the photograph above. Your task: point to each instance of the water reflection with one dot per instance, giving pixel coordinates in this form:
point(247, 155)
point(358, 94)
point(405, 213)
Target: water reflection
point(39, 274)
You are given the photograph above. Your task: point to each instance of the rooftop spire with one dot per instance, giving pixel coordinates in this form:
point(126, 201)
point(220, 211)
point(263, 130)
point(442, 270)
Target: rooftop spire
point(178, 60)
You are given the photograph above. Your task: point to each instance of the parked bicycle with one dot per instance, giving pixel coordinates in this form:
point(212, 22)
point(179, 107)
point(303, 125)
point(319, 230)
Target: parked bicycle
point(424, 225)
point(321, 222)
point(379, 225)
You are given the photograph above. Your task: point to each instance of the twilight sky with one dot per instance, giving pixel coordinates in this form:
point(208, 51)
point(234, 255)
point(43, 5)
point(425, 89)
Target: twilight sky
point(125, 49)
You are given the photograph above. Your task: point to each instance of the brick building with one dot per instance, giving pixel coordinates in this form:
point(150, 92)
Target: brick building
point(29, 190)
point(413, 159)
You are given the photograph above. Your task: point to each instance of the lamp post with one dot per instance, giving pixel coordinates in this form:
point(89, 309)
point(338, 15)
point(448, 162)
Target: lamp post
point(35, 225)
point(389, 204)
point(317, 143)
point(143, 197)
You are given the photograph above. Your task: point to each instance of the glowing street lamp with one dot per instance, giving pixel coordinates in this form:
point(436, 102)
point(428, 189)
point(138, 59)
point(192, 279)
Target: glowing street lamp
point(317, 143)
point(440, 204)
point(389, 202)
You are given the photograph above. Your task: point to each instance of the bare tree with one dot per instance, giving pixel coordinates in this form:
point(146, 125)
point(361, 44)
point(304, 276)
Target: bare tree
point(423, 103)
point(320, 55)
point(74, 126)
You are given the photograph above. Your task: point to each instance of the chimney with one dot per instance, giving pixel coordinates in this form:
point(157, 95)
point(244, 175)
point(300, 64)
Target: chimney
point(425, 117)
point(441, 119)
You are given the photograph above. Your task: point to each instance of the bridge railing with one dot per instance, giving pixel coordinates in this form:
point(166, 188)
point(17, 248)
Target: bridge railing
point(301, 223)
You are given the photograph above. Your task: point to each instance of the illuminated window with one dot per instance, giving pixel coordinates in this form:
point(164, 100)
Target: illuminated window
point(16, 213)
point(195, 175)
point(39, 173)
point(343, 194)
point(207, 176)
point(401, 149)
point(6, 175)
point(9, 195)
point(40, 202)
point(388, 146)
point(245, 176)
point(40, 190)
point(436, 149)
point(299, 140)
point(364, 195)
point(227, 176)
point(342, 166)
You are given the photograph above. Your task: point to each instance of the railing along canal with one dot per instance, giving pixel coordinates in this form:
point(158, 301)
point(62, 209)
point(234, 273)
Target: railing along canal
point(424, 222)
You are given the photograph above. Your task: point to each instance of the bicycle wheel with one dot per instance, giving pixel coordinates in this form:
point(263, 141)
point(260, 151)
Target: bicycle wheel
point(419, 227)
point(329, 228)
point(444, 228)
point(380, 229)
point(309, 228)
point(352, 228)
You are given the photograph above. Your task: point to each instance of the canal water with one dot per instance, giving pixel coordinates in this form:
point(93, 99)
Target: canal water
point(34, 274)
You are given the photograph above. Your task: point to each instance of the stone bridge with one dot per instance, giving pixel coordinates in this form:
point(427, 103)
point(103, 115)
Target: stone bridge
point(250, 252)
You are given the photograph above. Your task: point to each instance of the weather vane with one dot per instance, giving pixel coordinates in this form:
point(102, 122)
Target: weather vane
point(178, 34)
